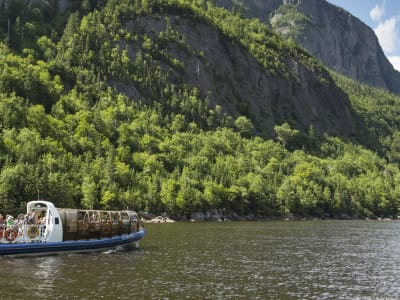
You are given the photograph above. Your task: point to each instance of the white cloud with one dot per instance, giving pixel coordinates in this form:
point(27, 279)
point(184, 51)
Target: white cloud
point(377, 12)
point(395, 60)
point(388, 35)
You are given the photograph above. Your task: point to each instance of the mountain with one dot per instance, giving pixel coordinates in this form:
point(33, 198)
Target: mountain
point(338, 39)
point(228, 75)
point(256, 75)
point(180, 106)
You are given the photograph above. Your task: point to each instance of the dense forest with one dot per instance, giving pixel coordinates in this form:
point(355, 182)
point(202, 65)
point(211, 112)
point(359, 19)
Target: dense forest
point(70, 134)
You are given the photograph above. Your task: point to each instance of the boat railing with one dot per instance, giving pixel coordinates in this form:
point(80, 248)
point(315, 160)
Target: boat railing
point(24, 233)
point(95, 224)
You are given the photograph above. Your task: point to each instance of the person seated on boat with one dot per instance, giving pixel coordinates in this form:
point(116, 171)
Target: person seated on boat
point(2, 222)
point(20, 219)
point(43, 220)
point(32, 219)
point(9, 221)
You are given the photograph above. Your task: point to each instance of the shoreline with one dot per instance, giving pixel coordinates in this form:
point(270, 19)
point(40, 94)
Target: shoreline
point(165, 219)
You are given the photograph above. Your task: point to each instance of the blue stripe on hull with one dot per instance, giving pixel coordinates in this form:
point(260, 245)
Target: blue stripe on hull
point(70, 246)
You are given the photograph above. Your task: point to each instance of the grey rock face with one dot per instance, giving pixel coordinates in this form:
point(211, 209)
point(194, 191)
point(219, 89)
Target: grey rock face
point(346, 45)
point(229, 77)
point(334, 36)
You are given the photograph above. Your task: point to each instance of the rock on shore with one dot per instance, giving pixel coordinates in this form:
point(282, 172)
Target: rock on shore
point(158, 220)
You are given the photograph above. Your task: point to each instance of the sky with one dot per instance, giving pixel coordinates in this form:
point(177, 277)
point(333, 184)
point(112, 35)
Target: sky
point(383, 16)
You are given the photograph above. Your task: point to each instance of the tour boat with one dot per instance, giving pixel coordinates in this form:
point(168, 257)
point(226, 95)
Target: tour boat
point(46, 229)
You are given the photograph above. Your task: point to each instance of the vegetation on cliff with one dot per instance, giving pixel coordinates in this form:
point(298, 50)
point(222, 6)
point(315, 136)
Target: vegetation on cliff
point(70, 133)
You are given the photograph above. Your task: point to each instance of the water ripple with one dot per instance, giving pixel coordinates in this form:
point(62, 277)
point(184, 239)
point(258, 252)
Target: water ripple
point(260, 260)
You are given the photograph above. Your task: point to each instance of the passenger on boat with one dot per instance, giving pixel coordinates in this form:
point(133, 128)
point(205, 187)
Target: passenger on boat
point(21, 219)
point(9, 221)
point(2, 225)
point(43, 220)
point(32, 219)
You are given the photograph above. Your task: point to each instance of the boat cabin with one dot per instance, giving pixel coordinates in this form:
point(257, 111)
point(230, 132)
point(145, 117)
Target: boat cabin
point(41, 223)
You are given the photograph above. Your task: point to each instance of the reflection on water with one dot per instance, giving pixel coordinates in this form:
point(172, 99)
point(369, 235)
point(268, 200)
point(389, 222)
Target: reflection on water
point(47, 270)
point(309, 260)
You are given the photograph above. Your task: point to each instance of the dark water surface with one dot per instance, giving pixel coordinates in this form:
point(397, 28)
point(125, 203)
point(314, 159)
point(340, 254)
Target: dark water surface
point(261, 260)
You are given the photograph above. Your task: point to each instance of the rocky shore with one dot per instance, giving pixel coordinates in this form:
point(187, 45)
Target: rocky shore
point(216, 216)
point(158, 219)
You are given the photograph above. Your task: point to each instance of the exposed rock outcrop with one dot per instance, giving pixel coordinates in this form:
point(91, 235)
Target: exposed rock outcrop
point(159, 220)
point(334, 36)
point(229, 76)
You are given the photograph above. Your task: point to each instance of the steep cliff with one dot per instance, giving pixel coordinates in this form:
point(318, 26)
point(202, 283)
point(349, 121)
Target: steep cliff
point(334, 36)
point(236, 64)
point(338, 39)
point(229, 76)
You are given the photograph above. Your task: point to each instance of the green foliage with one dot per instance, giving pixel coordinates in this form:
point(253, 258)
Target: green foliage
point(379, 112)
point(21, 24)
point(67, 134)
point(28, 78)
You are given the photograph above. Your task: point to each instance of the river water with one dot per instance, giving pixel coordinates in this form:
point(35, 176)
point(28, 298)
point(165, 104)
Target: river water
point(232, 260)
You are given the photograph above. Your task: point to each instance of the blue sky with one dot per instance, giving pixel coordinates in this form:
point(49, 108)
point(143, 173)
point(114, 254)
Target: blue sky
point(383, 16)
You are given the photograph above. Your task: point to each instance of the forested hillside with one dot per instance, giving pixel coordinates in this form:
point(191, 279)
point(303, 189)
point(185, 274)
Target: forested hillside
point(178, 106)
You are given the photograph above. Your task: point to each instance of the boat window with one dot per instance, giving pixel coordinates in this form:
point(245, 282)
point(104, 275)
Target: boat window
point(56, 221)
